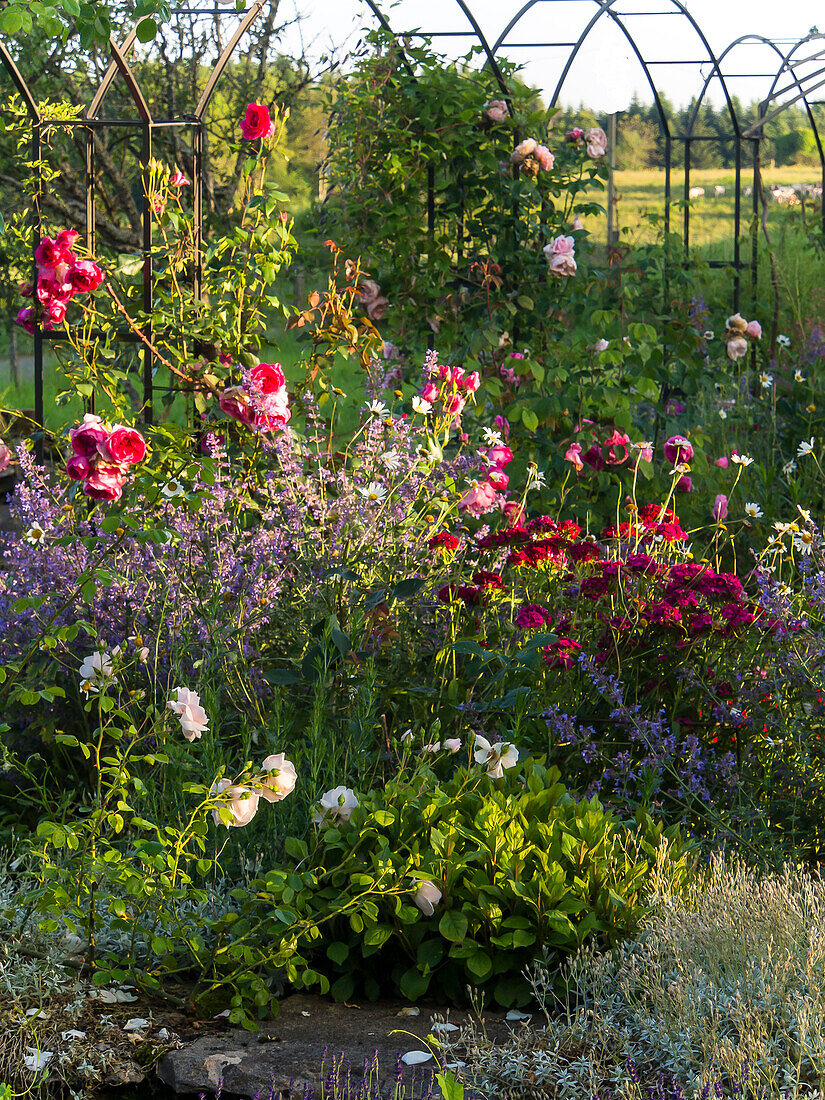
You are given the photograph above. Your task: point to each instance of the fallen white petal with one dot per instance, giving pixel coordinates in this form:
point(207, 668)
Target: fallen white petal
point(220, 1015)
point(445, 1027)
point(305, 1013)
point(164, 1034)
point(37, 1059)
point(38, 1012)
point(514, 1014)
point(415, 1057)
point(116, 996)
point(454, 1065)
point(409, 1011)
point(137, 1024)
point(66, 1036)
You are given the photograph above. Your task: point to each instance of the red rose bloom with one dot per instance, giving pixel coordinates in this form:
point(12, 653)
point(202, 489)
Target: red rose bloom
point(125, 445)
point(256, 123)
point(267, 377)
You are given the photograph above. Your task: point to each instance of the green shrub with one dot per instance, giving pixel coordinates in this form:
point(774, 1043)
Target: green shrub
point(525, 872)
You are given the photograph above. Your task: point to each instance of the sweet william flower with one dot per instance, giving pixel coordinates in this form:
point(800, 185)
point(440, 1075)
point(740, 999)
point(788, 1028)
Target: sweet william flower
point(494, 758)
point(281, 778)
point(336, 804)
point(242, 803)
point(426, 897)
point(193, 718)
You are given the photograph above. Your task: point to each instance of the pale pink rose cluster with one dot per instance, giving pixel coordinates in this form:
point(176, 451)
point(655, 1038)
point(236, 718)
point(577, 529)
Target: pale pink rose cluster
point(60, 276)
point(261, 402)
point(561, 256)
point(193, 718)
point(737, 333)
point(496, 111)
point(614, 451)
point(532, 158)
point(277, 780)
point(483, 494)
point(102, 456)
point(368, 294)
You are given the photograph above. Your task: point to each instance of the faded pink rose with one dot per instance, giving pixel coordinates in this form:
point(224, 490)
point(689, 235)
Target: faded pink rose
point(89, 438)
point(720, 507)
point(573, 454)
point(754, 330)
point(368, 290)
point(478, 499)
point(235, 403)
point(378, 309)
point(561, 245)
point(242, 803)
point(77, 467)
point(723, 462)
point(281, 778)
point(104, 482)
point(562, 264)
point(523, 150)
point(577, 224)
point(678, 449)
point(496, 110)
point(596, 140)
point(256, 122)
point(544, 157)
point(125, 445)
point(576, 134)
point(514, 513)
point(737, 348)
point(454, 404)
point(178, 179)
point(617, 448)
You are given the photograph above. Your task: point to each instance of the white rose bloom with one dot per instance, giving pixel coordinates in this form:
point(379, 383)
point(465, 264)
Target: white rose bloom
point(281, 778)
point(495, 758)
point(337, 803)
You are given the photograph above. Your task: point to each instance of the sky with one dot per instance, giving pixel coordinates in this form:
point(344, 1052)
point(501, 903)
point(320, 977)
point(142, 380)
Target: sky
point(606, 74)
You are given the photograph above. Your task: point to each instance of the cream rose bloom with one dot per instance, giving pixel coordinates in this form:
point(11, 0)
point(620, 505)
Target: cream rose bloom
point(426, 897)
point(281, 778)
point(337, 803)
point(193, 718)
point(242, 803)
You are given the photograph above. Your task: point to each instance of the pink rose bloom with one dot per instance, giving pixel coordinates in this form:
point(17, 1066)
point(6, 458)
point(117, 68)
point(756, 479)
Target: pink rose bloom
point(561, 245)
point(77, 467)
point(513, 511)
point(562, 264)
point(125, 445)
point(510, 376)
point(723, 462)
point(65, 241)
point(84, 276)
point(576, 134)
point(178, 179)
point(496, 110)
point(544, 157)
point(478, 499)
point(457, 376)
point(25, 318)
point(236, 403)
point(472, 382)
point(498, 479)
point(617, 448)
point(573, 454)
point(430, 392)
point(596, 140)
point(281, 779)
point(684, 484)
point(754, 330)
point(49, 254)
point(104, 482)
point(276, 413)
point(89, 438)
point(503, 425)
point(256, 122)
point(523, 150)
point(453, 405)
point(499, 455)
point(50, 290)
point(678, 449)
point(5, 456)
point(720, 507)
point(242, 803)
point(186, 704)
point(267, 377)
point(578, 224)
point(737, 348)
point(57, 313)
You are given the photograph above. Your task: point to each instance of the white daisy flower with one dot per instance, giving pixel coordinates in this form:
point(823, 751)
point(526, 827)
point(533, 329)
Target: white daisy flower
point(535, 478)
point(491, 438)
point(173, 488)
point(783, 341)
point(753, 510)
point(421, 406)
point(377, 408)
point(722, 414)
point(789, 468)
point(803, 542)
point(708, 335)
point(35, 536)
point(741, 460)
point(805, 447)
point(391, 461)
point(798, 376)
point(375, 493)
point(766, 380)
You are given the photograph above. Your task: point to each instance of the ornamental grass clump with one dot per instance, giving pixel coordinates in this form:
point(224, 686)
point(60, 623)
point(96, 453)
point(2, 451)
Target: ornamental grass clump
point(721, 994)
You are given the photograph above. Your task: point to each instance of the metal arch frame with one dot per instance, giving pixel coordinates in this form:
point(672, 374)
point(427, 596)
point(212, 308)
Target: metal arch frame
point(88, 123)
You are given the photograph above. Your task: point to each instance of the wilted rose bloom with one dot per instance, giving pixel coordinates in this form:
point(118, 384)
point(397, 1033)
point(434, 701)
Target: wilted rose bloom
point(578, 224)
point(378, 309)
point(235, 403)
point(544, 157)
point(596, 140)
point(737, 348)
point(562, 264)
point(754, 329)
point(77, 467)
point(594, 457)
point(368, 290)
point(496, 110)
point(737, 324)
point(478, 499)
point(89, 438)
point(617, 447)
point(125, 445)
point(178, 179)
point(684, 484)
point(193, 718)
point(573, 454)
point(242, 803)
point(523, 150)
point(25, 318)
point(336, 804)
point(426, 897)
point(281, 779)
point(104, 482)
point(453, 744)
point(678, 449)
point(720, 507)
point(256, 122)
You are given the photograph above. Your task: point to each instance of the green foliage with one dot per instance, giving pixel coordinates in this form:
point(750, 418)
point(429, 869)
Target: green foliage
point(525, 872)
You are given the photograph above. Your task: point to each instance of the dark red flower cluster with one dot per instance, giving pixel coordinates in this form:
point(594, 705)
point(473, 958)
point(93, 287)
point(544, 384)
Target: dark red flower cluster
point(470, 596)
point(512, 536)
point(445, 539)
